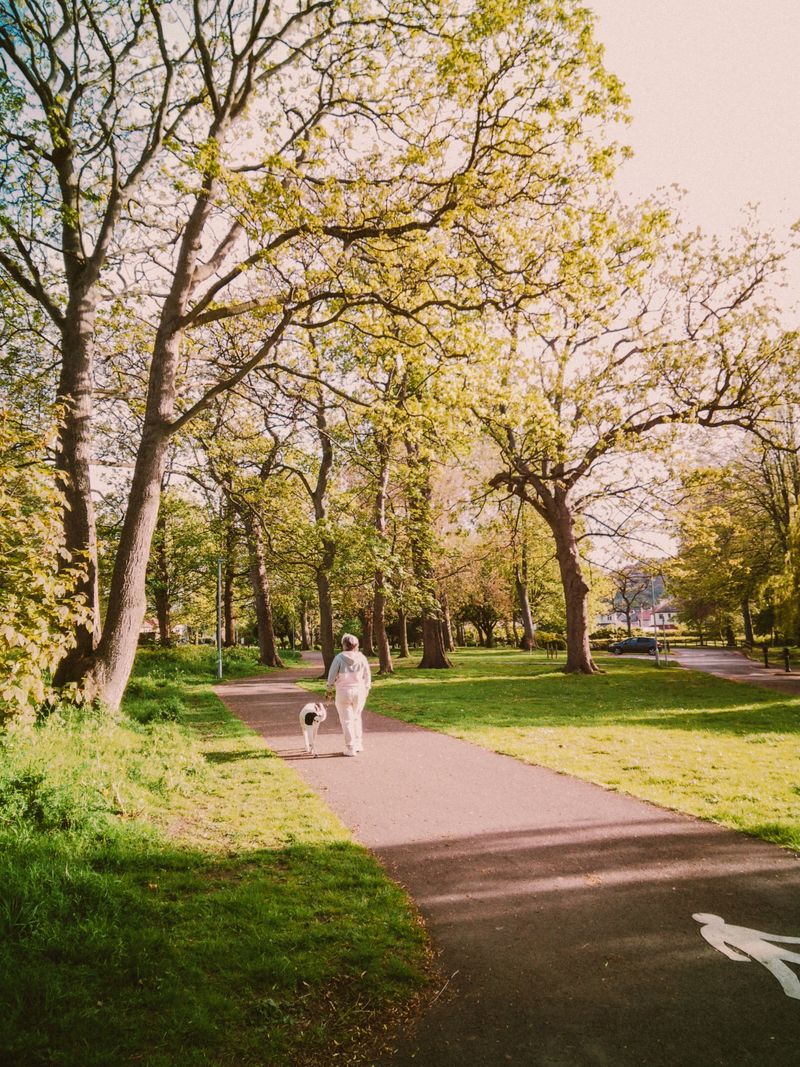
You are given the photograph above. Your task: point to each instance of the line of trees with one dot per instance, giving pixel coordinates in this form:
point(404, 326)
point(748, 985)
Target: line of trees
point(311, 257)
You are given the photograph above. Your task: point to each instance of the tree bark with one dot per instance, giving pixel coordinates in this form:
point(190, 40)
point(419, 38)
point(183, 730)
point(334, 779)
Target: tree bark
point(385, 665)
point(259, 579)
point(325, 566)
point(383, 648)
point(111, 666)
point(73, 461)
point(433, 653)
point(160, 586)
point(447, 624)
point(420, 531)
point(163, 614)
point(576, 589)
point(228, 605)
point(110, 669)
point(747, 619)
point(523, 599)
point(402, 626)
point(305, 629)
point(367, 646)
point(325, 617)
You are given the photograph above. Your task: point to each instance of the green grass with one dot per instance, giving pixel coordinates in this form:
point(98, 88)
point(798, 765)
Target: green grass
point(172, 893)
point(685, 740)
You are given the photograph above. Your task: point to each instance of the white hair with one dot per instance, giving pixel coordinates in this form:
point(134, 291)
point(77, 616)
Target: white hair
point(349, 642)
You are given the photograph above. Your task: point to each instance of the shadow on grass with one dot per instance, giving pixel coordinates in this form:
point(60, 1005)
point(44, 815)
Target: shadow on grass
point(138, 952)
point(233, 757)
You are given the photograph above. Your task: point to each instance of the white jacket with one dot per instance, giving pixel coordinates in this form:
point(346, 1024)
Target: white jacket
point(350, 669)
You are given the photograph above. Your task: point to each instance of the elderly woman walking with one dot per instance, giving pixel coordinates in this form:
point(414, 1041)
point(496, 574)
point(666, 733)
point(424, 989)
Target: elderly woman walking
point(350, 676)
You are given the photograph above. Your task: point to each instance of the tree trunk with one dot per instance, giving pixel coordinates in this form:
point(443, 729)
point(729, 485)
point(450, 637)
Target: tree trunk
point(447, 624)
point(108, 674)
point(259, 579)
point(523, 599)
point(73, 461)
point(385, 665)
point(402, 626)
point(747, 619)
point(576, 589)
point(384, 651)
point(433, 653)
point(228, 605)
point(421, 538)
point(158, 569)
point(163, 614)
point(461, 635)
point(305, 629)
point(325, 566)
point(367, 646)
point(325, 617)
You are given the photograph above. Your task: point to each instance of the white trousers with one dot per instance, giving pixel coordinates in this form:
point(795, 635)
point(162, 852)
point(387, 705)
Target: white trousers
point(350, 701)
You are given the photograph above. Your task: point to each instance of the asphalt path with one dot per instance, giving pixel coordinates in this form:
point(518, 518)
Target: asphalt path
point(735, 666)
point(561, 912)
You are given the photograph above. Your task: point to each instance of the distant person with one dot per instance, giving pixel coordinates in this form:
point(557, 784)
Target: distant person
point(351, 678)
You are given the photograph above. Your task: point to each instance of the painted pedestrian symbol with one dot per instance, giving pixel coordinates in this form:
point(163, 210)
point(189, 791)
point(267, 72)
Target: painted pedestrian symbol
point(741, 944)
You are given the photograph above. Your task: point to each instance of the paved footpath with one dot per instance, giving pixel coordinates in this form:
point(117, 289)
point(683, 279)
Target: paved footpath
point(736, 667)
point(561, 912)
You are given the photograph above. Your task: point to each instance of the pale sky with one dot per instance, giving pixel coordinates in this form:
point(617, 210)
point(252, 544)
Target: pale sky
point(715, 100)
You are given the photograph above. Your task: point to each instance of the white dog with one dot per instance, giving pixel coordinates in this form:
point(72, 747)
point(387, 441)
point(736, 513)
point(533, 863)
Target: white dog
point(311, 715)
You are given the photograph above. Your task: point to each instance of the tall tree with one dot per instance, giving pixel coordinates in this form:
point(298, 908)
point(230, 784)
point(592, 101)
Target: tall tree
point(630, 588)
point(639, 334)
point(81, 126)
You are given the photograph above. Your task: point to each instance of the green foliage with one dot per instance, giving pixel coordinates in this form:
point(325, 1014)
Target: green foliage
point(38, 610)
point(785, 587)
point(181, 572)
point(608, 633)
point(728, 548)
point(547, 637)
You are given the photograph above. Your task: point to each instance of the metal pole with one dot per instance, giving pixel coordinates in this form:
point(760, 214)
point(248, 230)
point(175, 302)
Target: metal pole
point(655, 624)
point(219, 617)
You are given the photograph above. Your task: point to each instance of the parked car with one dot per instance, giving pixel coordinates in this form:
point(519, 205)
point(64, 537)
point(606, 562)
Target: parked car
point(634, 644)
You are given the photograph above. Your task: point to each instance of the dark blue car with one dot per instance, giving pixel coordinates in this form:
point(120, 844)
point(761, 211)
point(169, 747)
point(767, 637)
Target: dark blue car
point(634, 644)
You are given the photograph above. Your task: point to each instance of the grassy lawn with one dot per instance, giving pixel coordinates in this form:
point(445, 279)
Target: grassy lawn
point(685, 740)
point(173, 895)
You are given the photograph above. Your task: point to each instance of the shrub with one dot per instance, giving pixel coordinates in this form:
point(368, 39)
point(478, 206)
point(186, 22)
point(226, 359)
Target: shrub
point(608, 633)
point(163, 709)
point(39, 610)
point(546, 637)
